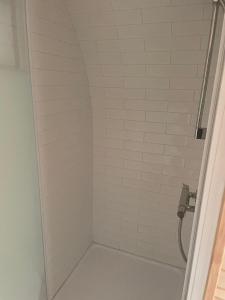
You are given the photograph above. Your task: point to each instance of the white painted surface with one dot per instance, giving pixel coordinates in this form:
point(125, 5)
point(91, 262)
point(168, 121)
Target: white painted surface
point(64, 129)
point(22, 274)
point(106, 274)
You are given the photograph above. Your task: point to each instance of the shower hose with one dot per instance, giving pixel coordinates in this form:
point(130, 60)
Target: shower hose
point(180, 225)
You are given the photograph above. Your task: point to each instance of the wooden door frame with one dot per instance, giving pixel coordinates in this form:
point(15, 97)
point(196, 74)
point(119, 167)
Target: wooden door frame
point(217, 256)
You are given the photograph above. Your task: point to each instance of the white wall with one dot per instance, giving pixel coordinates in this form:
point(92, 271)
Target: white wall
point(7, 52)
point(21, 253)
point(64, 137)
point(144, 60)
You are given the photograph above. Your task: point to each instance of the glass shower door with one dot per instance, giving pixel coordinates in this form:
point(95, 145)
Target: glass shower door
point(22, 275)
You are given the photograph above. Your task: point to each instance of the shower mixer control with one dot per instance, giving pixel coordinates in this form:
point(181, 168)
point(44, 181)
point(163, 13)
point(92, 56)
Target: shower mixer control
point(187, 201)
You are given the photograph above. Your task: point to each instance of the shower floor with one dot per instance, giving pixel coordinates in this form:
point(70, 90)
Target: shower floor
point(107, 274)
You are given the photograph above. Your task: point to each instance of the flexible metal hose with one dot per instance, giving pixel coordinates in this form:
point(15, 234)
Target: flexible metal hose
point(180, 225)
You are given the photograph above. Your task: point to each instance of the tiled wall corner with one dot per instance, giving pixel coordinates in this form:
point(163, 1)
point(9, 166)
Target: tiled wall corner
point(64, 132)
point(144, 60)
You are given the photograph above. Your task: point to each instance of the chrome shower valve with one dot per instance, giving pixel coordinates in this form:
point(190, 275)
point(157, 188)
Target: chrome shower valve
point(185, 201)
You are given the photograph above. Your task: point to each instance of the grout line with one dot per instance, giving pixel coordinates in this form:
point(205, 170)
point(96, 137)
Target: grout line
point(73, 269)
point(149, 260)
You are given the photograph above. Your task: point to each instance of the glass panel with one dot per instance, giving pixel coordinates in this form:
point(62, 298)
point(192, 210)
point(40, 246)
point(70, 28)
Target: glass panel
point(22, 274)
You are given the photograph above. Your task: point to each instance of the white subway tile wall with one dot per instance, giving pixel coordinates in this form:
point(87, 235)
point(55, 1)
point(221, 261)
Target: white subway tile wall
point(64, 132)
point(144, 60)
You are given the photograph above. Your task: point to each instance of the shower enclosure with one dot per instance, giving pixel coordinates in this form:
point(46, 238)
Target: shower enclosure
point(116, 89)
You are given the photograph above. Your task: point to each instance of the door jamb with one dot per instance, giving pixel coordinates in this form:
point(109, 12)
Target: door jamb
point(211, 186)
point(217, 257)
